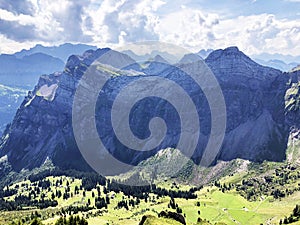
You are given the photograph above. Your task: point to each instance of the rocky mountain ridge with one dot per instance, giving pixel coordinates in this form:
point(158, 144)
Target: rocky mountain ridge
point(258, 123)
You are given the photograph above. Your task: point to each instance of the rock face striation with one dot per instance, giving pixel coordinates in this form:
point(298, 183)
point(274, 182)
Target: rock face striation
point(258, 117)
point(254, 95)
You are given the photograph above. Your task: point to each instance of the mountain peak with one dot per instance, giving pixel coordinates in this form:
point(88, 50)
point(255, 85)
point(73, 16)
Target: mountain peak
point(227, 52)
point(232, 49)
point(229, 56)
point(204, 53)
point(234, 63)
point(159, 58)
point(103, 55)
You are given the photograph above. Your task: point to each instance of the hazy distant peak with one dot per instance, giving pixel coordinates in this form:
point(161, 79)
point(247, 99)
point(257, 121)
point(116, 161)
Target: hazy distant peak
point(203, 53)
point(62, 51)
point(189, 58)
point(159, 58)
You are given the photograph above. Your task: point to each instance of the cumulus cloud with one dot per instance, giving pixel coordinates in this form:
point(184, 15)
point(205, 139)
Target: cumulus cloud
point(67, 18)
point(49, 21)
point(188, 27)
point(18, 6)
point(253, 34)
point(127, 21)
point(260, 33)
point(16, 31)
point(115, 22)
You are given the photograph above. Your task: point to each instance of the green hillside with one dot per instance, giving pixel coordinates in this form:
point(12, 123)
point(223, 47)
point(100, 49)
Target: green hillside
point(262, 194)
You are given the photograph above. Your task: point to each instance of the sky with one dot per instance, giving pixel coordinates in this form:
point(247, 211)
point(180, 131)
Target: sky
point(254, 26)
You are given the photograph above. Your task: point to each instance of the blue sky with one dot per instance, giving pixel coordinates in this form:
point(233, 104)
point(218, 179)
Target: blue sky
point(255, 26)
point(232, 8)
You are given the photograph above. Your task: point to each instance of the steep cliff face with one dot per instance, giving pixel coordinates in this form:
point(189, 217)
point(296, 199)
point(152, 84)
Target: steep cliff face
point(292, 103)
point(255, 99)
point(42, 127)
point(254, 96)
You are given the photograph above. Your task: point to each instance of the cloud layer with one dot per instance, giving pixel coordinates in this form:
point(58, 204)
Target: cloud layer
point(114, 22)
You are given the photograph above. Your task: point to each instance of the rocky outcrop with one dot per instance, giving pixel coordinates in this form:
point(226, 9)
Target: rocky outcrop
point(172, 215)
point(292, 104)
point(143, 220)
point(257, 127)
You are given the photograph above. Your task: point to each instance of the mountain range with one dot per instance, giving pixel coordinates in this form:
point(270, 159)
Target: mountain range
point(25, 67)
point(281, 62)
point(61, 52)
point(285, 58)
point(278, 64)
point(262, 106)
point(25, 71)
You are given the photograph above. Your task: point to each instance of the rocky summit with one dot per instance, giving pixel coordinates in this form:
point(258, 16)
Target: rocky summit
point(262, 107)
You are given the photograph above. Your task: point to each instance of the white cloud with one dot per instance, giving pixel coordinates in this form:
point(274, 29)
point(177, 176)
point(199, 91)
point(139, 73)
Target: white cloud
point(260, 33)
point(113, 22)
point(125, 20)
point(49, 21)
point(11, 46)
point(188, 27)
point(253, 34)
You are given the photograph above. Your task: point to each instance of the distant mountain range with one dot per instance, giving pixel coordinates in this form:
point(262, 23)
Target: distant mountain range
point(167, 56)
point(260, 110)
point(285, 58)
point(25, 67)
point(284, 63)
point(278, 64)
point(143, 58)
point(20, 72)
point(25, 71)
point(61, 52)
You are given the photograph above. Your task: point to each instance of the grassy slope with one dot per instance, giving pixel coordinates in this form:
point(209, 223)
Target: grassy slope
point(228, 207)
